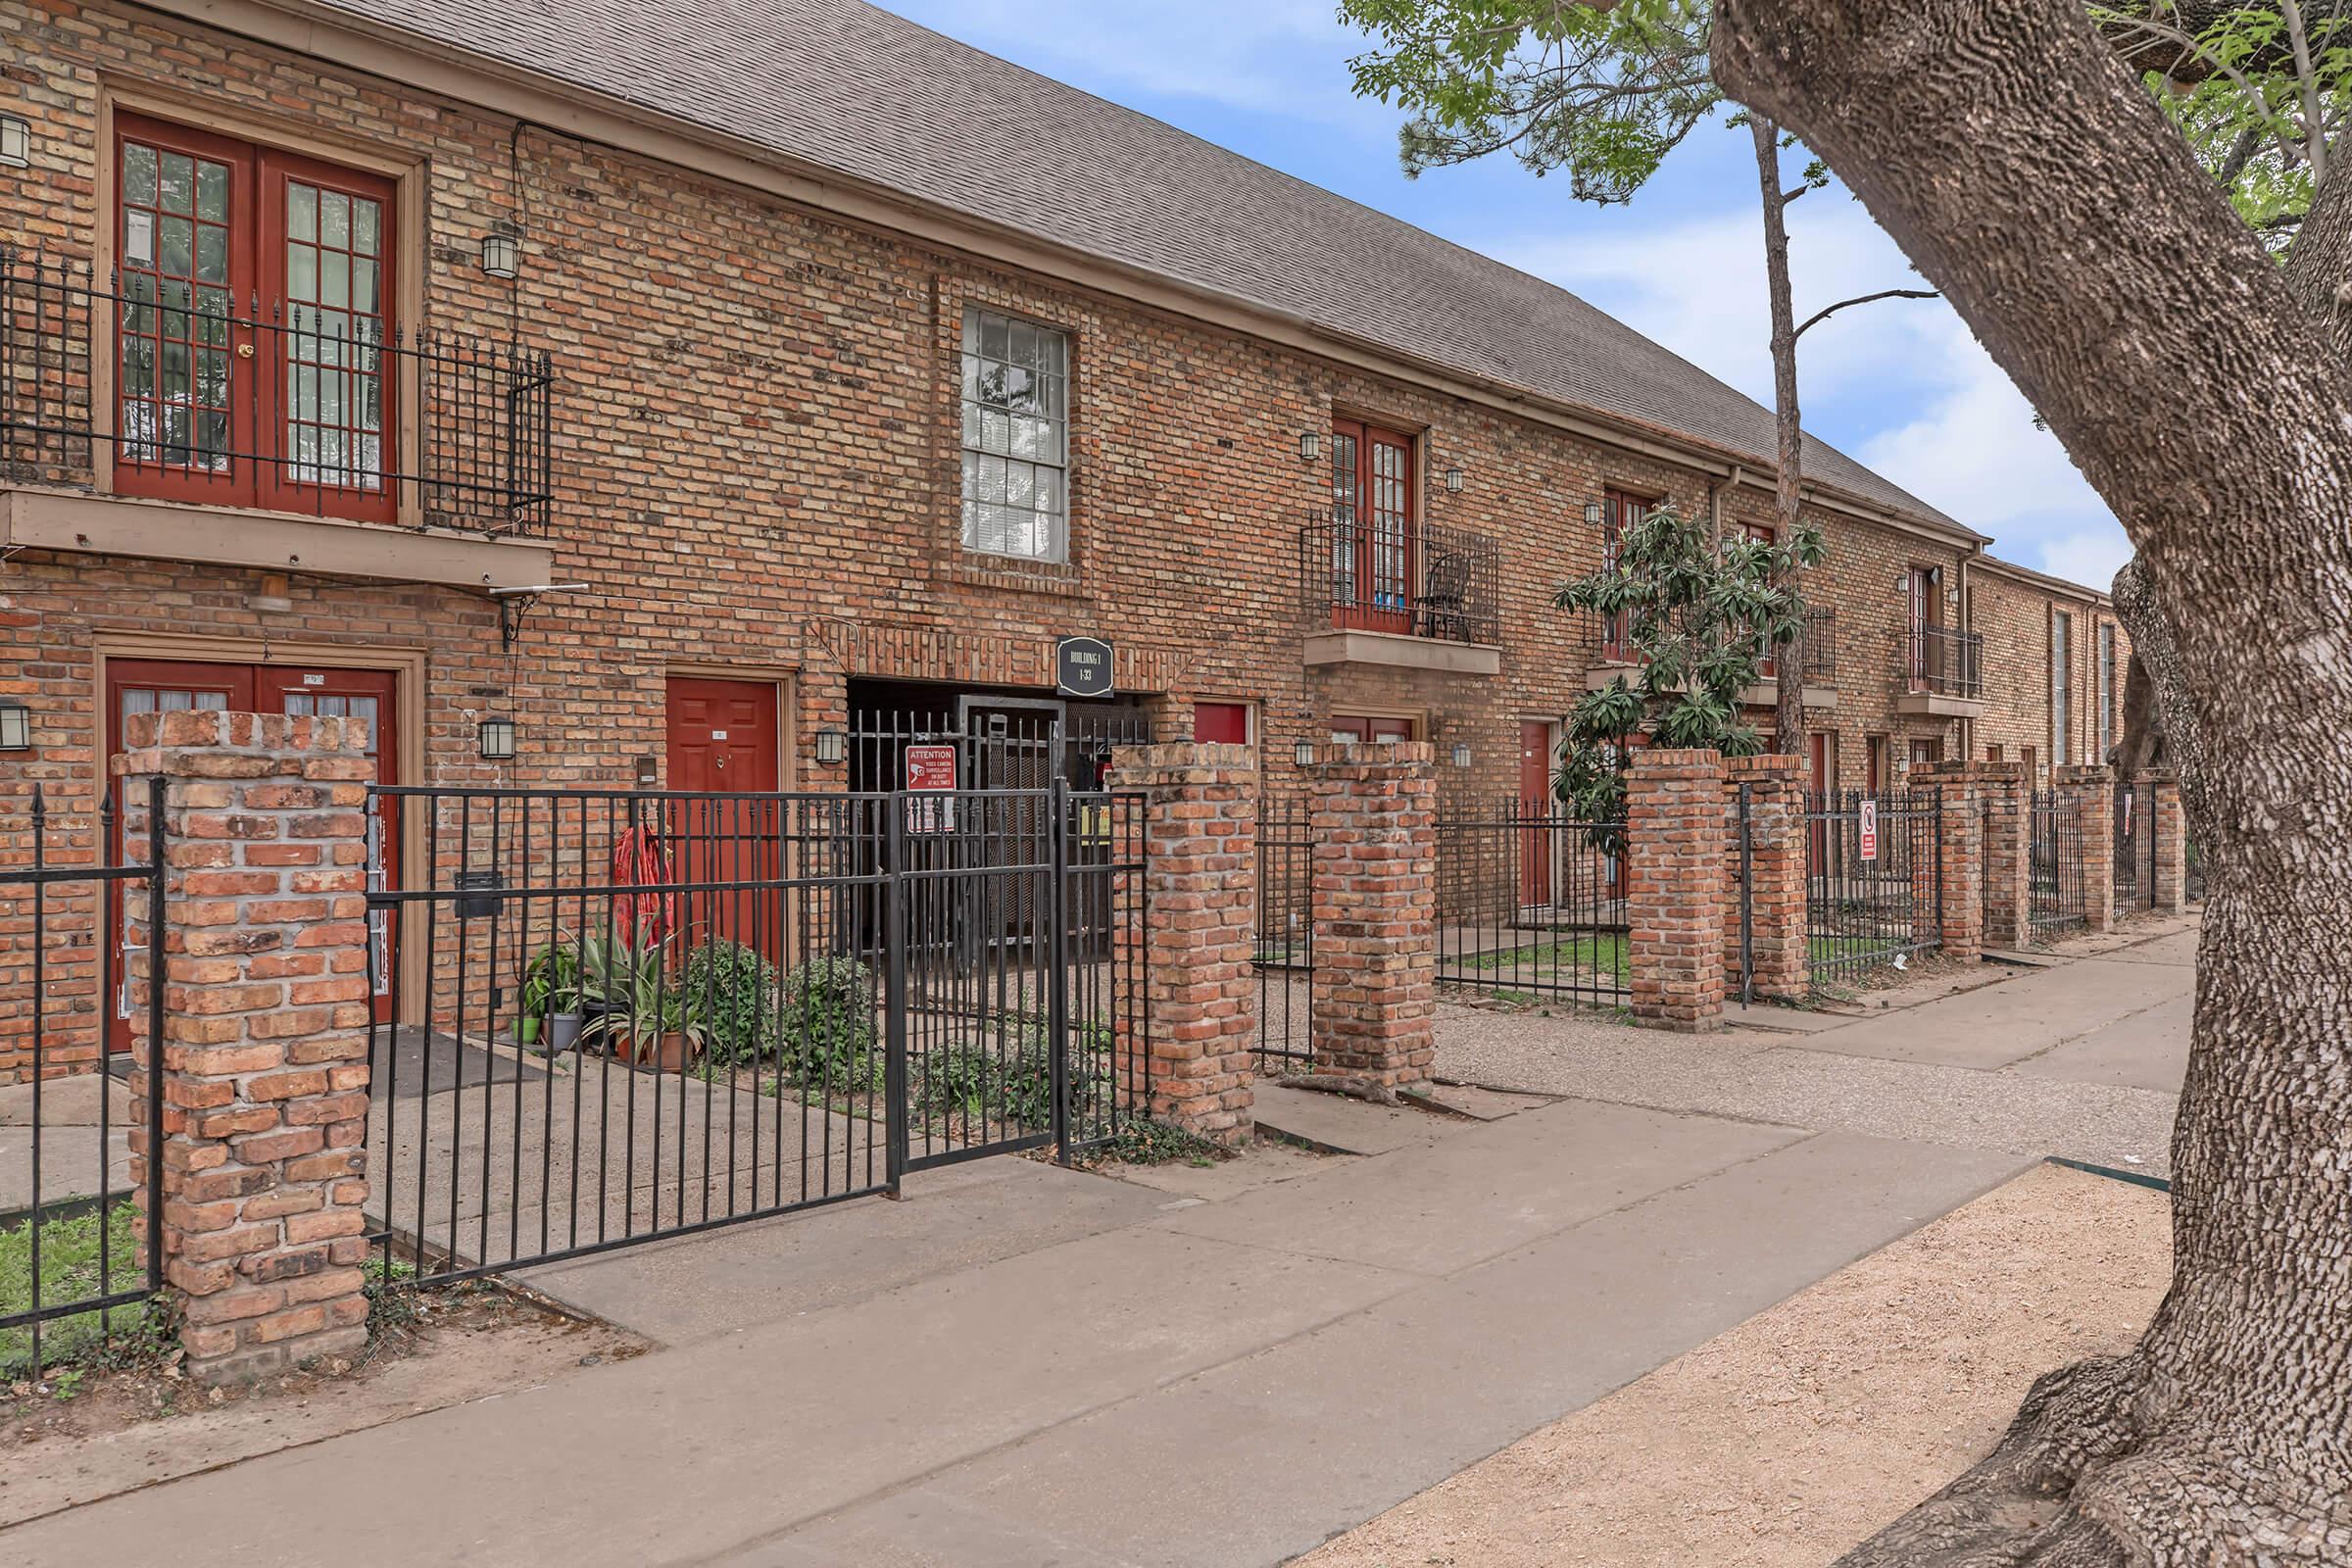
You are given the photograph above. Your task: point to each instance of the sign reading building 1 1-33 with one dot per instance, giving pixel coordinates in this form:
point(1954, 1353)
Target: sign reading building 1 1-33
point(1082, 666)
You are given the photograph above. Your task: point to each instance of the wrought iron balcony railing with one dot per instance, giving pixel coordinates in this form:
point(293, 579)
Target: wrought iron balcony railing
point(163, 390)
point(1944, 662)
point(1417, 581)
point(1816, 650)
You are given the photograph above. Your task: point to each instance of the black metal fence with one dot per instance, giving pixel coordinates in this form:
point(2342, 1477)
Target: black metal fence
point(72, 1258)
point(287, 404)
point(1532, 904)
point(2134, 845)
point(2057, 893)
point(1874, 879)
point(1283, 951)
point(1418, 580)
point(639, 1013)
point(1944, 661)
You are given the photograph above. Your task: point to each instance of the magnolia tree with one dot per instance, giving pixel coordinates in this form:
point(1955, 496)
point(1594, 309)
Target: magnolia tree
point(2202, 382)
point(1699, 614)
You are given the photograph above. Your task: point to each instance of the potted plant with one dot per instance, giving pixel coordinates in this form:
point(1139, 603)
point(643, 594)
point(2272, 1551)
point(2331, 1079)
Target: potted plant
point(551, 997)
point(642, 1015)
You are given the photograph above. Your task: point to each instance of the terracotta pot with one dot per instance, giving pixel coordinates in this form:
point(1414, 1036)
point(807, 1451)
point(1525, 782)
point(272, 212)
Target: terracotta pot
point(669, 1053)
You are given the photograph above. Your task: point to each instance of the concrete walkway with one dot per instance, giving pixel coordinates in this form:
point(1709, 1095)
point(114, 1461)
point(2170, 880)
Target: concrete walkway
point(1024, 1365)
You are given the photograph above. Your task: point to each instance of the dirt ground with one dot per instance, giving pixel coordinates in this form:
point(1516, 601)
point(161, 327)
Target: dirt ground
point(1791, 1438)
point(132, 1427)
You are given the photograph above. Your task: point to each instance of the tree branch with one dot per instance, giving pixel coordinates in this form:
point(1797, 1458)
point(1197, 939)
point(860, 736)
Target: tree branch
point(1828, 311)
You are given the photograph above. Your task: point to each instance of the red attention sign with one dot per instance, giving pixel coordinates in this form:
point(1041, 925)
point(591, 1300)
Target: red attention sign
point(1870, 830)
point(930, 768)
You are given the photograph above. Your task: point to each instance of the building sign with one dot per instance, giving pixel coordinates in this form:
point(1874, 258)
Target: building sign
point(931, 780)
point(1870, 830)
point(1082, 666)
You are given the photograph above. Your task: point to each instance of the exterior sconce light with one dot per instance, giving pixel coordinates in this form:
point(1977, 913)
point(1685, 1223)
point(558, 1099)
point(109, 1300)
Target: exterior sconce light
point(501, 252)
point(1303, 753)
point(1461, 753)
point(1453, 480)
point(16, 143)
point(1592, 514)
point(496, 738)
point(16, 727)
point(832, 746)
point(1310, 446)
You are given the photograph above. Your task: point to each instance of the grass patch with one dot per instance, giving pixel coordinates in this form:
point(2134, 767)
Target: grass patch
point(72, 1247)
point(1602, 953)
point(1144, 1142)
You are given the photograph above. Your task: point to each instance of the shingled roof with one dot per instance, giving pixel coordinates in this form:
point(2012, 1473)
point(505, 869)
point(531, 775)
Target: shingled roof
point(845, 86)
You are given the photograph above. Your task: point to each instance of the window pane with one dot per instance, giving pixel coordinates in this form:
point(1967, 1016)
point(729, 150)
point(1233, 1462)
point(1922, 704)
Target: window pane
point(302, 211)
point(211, 193)
point(179, 183)
point(138, 174)
point(1014, 403)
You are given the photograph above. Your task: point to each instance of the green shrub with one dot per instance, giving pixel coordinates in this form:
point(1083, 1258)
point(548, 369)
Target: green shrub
point(1010, 1080)
point(827, 1026)
point(736, 991)
point(70, 1249)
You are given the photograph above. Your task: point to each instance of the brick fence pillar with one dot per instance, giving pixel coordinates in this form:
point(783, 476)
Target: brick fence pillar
point(2091, 786)
point(1776, 870)
point(265, 1049)
point(1960, 840)
point(1674, 822)
point(2004, 802)
point(2168, 874)
point(1183, 1056)
point(1372, 822)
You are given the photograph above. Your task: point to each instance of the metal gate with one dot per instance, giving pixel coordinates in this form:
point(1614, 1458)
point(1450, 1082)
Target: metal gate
point(1531, 904)
point(628, 1014)
point(1284, 951)
point(1874, 879)
point(83, 889)
point(2057, 897)
point(2134, 845)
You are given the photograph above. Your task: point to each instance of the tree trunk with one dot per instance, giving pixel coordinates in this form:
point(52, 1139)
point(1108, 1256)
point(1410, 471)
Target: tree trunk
point(2030, 177)
point(1788, 711)
point(2156, 698)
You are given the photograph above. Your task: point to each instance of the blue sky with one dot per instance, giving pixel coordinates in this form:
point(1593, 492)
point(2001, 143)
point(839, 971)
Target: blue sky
point(1900, 385)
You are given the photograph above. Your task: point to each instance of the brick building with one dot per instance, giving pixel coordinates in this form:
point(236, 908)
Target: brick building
point(826, 381)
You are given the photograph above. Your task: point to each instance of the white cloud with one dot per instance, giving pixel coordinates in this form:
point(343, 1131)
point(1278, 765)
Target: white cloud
point(1900, 384)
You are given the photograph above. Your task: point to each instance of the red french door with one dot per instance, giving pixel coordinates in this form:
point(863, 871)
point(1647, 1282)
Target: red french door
point(166, 686)
point(1356, 729)
point(1374, 532)
point(1535, 848)
point(250, 366)
point(1763, 534)
point(1619, 512)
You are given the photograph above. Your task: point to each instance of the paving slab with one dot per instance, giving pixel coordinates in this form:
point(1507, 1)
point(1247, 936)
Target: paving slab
point(1343, 1123)
point(956, 1217)
point(1996, 1025)
point(2147, 1050)
point(1484, 1190)
point(1480, 1104)
point(1389, 1401)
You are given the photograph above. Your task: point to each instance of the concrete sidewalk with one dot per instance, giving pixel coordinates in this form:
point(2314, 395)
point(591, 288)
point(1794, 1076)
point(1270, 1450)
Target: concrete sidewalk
point(1025, 1365)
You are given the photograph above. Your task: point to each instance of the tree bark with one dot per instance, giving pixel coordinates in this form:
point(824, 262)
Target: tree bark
point(2027, 172)
point(1788, 708)
point(2156, 675)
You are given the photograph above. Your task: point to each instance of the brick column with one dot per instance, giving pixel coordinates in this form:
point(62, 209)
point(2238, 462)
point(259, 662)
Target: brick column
point(2004, 800)
point(2091, 787)
point(1184, 1055)
point(1775, 846)
point(2168, 875)
point(1960, 838)
point(1372, 817)
point(1674, 817)
point(265, 1049)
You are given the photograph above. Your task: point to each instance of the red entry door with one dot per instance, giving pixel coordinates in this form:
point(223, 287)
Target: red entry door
point(1374, 528)
point(168, 686)
point(1535, 811)
point(722, 742)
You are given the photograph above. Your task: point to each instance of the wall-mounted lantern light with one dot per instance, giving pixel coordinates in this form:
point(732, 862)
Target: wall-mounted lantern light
point(1592, 514)
point(832, 746)
point(1303, 753)
point(1461, 753)
point(496, 738)
point(16, 141)
point(1453, 480)
point(1310, 446)
point(501, 252)
point(16, 727)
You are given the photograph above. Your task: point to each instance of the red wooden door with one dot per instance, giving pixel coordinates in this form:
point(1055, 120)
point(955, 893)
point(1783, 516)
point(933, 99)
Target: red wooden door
point(1619, 512)
point(370, 695)
point(164, 686)
point(1535, 846)
point(723, 748)
point(1375, 529)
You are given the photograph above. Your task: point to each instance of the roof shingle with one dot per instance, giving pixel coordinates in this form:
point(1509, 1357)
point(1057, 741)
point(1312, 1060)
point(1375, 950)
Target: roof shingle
point(847, 86)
